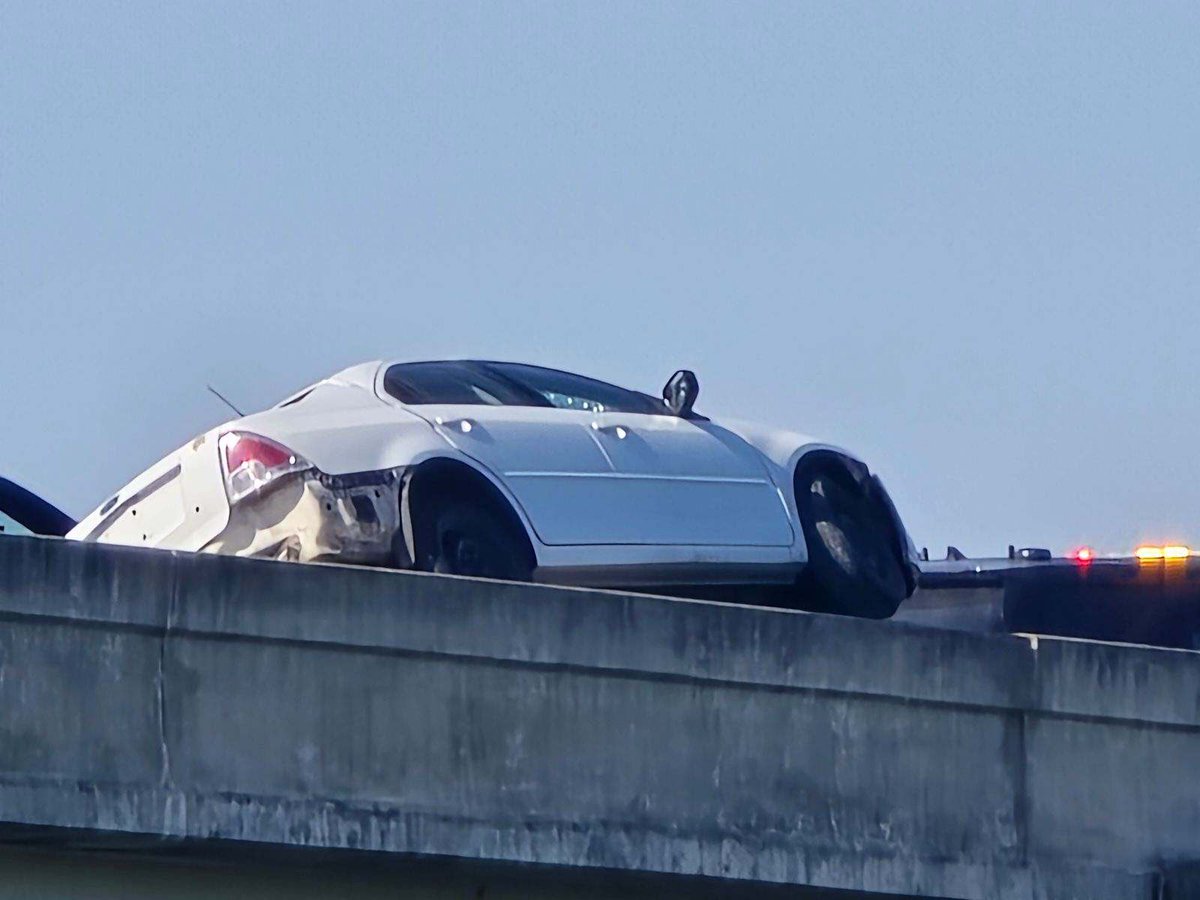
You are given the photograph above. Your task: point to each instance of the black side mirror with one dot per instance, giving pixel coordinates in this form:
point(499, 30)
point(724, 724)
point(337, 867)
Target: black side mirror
point(680, 393)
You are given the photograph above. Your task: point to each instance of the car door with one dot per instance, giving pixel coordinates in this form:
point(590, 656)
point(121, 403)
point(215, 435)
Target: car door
point(674, 481)
point(688, 481)
point(546, 456)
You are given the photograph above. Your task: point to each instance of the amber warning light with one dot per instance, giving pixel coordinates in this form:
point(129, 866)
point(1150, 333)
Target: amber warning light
point(1151, 553)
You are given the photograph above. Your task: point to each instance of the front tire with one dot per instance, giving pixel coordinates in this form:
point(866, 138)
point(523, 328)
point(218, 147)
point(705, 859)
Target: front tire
point(855, 564)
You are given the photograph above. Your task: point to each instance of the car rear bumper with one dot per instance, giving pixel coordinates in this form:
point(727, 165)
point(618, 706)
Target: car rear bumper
point(314, 517)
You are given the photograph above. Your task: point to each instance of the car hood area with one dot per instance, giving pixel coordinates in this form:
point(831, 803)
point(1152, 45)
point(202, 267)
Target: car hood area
point(30, 511)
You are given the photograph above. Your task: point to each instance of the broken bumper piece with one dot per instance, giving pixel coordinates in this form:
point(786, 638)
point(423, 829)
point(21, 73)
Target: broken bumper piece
point(314, 517)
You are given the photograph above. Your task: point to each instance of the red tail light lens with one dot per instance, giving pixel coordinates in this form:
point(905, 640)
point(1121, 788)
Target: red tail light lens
point(1082, 554)
point(251, 462)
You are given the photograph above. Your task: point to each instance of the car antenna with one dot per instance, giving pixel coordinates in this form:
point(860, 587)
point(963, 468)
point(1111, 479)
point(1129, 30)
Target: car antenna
point(224, 399)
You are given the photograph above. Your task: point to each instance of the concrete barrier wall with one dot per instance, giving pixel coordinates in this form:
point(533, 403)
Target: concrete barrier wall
point(148, 694)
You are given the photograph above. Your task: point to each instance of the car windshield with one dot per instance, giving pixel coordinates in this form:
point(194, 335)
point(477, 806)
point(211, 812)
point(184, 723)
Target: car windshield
point(509, 384)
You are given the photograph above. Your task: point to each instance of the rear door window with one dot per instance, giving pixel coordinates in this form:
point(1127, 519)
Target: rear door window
point(567, 391)
point(455, 383)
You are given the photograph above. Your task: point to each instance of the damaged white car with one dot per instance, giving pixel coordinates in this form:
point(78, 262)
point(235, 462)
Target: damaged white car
point(513, 471)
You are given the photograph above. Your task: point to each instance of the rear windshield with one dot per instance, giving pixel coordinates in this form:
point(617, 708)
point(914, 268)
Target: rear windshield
point(510, 384)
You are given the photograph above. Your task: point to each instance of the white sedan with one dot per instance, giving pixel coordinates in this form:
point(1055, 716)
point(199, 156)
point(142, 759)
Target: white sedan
point(513, 471)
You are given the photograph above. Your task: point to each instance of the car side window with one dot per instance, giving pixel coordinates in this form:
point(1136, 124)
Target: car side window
point(9, 525)
point(454, 383)
point(567, 391)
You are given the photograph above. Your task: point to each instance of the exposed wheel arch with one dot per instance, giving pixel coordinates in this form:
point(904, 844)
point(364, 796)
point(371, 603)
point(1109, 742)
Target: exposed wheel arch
point(862, 473)
point(824, 578)
point(435, 480)
point(822, 455)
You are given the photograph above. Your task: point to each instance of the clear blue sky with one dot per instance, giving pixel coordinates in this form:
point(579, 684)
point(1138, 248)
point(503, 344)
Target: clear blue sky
point(963, 240)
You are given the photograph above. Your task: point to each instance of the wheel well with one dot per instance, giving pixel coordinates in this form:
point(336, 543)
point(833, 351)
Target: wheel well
point(433, 479)
point(816, 458)
point(858, 471)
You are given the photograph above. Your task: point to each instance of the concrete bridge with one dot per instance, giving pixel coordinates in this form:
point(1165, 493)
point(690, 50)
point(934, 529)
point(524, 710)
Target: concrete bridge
point(175, 725)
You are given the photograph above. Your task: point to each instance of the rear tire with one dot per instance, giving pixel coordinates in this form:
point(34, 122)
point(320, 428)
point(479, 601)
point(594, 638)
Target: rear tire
point(462, 536)
point(855, 565)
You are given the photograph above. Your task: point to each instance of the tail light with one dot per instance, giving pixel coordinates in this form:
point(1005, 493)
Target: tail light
point(251, 462)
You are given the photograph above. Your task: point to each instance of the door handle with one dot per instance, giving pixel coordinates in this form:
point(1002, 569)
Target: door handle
point(463, 425)
point(620, 432)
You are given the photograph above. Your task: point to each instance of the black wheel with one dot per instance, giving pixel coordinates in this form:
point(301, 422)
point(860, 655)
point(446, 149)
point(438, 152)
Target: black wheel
point(461, 536)
point(855, 563)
